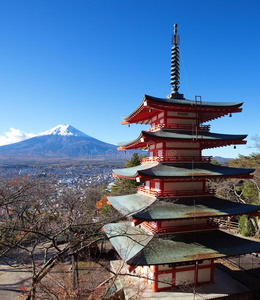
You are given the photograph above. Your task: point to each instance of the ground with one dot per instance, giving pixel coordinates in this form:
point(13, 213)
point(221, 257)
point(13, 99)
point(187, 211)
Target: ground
point(12, 281)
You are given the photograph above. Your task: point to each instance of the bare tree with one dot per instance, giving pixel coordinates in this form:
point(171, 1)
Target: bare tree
point(37, 214)
point(49, 227)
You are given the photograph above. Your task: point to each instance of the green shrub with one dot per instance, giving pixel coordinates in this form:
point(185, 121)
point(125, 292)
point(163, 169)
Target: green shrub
point(247, 225)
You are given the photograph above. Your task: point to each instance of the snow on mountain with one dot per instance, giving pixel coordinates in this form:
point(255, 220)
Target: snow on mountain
point(65, 130)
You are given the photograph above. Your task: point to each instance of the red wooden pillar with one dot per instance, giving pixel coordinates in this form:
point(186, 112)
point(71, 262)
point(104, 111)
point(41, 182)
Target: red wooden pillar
point(155, 279)
point(159, 225)
point(174, 276)
point(212, 267)
point(196, 273)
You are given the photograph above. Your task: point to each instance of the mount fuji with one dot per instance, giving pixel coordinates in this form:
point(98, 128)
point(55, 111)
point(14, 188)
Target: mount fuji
point(65, 130)
point(63, 142)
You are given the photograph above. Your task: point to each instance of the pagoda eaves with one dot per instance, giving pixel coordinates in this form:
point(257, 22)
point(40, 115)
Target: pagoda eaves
point(145, 249)
point(150, 106)
point(204, 138)
point(187, 171)
point(143, 207)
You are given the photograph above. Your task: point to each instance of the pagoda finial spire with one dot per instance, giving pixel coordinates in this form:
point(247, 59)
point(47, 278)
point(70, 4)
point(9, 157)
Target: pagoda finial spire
point(175, 62)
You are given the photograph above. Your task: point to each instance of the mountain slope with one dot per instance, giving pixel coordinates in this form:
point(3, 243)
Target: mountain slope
point(61, 142)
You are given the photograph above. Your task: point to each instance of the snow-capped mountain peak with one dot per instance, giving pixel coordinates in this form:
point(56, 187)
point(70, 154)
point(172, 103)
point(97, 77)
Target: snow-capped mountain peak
point(65, 130)
point(63, 142)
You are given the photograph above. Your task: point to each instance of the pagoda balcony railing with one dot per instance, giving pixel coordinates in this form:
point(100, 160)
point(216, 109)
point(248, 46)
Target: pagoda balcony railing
point(158, 127)
point(227, 224)
point(178, 193)
point(180, 228)
point(146, 191)
point(176, 159)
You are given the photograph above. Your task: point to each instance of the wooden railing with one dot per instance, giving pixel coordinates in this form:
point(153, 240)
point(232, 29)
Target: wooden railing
point(148, 226)
point(154, 193)
point(227, 224)
point(155, 159)
point(179, 126)
point(180, 228)
point(146, 191)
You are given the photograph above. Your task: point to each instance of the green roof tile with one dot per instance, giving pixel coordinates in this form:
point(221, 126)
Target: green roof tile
point(185, 102)
point(127, 241)
point(179, 170)
point(129, 204)
point(185, 135)
point(136, 247)
point(192, 102)
point(143, 207)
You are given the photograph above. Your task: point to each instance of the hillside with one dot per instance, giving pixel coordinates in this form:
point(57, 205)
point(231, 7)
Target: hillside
point(63, 142)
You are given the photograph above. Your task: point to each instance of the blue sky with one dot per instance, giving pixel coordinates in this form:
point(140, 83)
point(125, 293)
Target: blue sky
point(87, 63)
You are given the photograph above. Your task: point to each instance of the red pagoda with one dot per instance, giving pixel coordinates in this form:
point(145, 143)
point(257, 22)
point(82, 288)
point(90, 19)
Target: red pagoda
point(171, 238)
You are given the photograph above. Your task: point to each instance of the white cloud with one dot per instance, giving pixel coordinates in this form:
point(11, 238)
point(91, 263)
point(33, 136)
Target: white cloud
point(14, 136)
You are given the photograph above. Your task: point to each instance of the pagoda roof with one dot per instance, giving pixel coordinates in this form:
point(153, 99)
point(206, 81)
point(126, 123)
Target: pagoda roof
point(206, 139)
point(137, 247)
point(209, 110)
point(181, 170)
point(131, 204)
point(147, 208)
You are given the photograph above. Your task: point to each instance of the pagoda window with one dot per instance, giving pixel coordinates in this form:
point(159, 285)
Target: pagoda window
point(161, 115)
point(189, 273)
point(160, 118)
point(152, 184)
point(164, 280)
point(184, 277)
point(160, 152)
point(157, 186)
point(159, 145)
point(152, 146)
point(147, 184)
